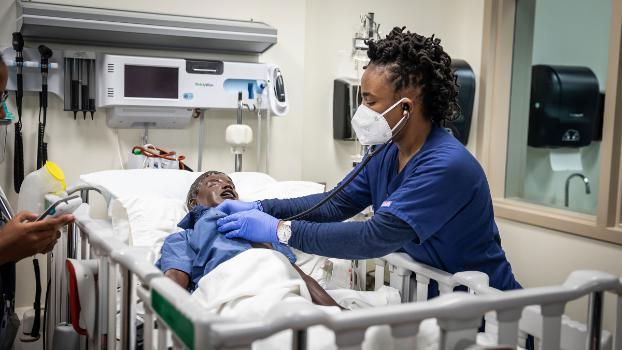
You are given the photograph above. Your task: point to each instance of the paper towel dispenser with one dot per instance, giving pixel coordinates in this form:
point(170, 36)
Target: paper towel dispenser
point(346, 99)
point(564, 106)
point(598, 125)
point(465, 78)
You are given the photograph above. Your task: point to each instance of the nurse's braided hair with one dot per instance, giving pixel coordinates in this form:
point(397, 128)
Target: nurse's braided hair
point(419, 61)
point(196, 186)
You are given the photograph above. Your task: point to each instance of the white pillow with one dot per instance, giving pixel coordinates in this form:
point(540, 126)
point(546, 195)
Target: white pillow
point(247, 182)
point(174, 184)
point(281, 190)
point(146, 221)
point(164, 183)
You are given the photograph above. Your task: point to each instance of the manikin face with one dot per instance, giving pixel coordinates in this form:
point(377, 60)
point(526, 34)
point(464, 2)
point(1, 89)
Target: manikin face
point(215, 189)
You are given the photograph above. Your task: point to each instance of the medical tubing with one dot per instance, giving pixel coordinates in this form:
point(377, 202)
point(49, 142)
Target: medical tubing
point(240, 109)
point(36, 323)
point(149, 151)
point(45, 313)
point(40, 150)
point(18, 158)
point(259, 132)
point(44, 153)
point(19, 94)
point(268, 137)
point(399, 127)
point(338, 189)
point(162, 153)
point(44, 94)
point(46, 53)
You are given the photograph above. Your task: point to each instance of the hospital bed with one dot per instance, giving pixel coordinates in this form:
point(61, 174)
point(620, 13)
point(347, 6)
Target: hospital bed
point(117, 275)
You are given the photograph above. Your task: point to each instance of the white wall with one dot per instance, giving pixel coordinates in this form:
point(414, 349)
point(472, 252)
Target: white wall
point(87, 146)
point(330, 28)
point(542, 257)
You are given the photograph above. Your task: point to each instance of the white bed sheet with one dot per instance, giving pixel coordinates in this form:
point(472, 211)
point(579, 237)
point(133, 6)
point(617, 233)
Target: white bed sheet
point(251, 284)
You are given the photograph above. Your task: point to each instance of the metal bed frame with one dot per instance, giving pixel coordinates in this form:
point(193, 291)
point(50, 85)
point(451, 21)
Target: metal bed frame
point(123, 270)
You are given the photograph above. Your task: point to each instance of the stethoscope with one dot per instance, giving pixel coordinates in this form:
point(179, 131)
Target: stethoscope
point(368, 156)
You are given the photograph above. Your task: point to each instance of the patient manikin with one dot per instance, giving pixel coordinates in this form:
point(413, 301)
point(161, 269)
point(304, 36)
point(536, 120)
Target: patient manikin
point(189, 255)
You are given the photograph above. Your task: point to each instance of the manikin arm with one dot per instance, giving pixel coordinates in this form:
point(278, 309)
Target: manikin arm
point(319, 296)
point(179, 277)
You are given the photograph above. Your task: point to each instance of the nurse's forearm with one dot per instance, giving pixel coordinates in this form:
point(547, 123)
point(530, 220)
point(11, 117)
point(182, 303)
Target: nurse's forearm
point(381, 235)
point(283, 208)
point(337, 209)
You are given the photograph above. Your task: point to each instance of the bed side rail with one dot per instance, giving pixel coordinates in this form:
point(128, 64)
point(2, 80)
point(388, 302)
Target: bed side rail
point(459, 316)
point(122, 270)
point(402, 269)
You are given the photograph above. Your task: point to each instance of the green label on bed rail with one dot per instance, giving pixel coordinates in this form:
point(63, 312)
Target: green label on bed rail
point(179, 324)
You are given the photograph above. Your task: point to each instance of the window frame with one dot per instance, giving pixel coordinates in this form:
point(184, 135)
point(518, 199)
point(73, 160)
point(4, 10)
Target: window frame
point(493, 121)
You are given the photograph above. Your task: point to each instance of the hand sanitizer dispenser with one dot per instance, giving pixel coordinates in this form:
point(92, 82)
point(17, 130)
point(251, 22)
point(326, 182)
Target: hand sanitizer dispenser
point(465, 78)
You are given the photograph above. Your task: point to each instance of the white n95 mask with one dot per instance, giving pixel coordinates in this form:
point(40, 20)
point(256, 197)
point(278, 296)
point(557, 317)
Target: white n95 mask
point(371, 127)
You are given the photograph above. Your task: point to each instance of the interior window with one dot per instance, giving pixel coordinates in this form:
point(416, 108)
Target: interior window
point(559, 76)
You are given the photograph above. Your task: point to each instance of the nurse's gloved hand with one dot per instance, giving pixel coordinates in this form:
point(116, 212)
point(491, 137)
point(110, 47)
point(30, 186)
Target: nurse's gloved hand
point(252, 225)
point(231, 206)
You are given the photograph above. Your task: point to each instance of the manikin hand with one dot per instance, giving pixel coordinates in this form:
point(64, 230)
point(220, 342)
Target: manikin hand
point(20, 238)
point(252, 225)
point(180, 277)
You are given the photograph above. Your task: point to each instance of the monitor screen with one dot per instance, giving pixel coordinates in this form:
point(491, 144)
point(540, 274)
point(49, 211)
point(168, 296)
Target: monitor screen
point(151, 82)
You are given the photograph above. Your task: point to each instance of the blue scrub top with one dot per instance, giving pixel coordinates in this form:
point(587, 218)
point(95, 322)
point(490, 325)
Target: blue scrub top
point(200, 248)
point(438, 209)
point(443, 194)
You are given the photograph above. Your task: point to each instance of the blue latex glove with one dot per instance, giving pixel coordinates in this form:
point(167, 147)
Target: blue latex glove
point(231, 206)
point(252, 225)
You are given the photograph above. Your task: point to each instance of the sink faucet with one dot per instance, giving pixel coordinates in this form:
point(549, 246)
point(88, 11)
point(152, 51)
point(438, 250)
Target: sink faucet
point(586, 181)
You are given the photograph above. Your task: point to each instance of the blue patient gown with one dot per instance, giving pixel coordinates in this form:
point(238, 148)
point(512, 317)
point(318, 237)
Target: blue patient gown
point(200, 248)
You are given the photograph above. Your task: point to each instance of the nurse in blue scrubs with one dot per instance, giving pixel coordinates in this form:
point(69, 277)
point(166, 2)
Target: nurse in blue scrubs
point(429, 194)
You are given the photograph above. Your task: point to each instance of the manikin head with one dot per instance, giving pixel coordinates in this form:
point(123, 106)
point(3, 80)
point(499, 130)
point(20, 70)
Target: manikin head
point(211, 189)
